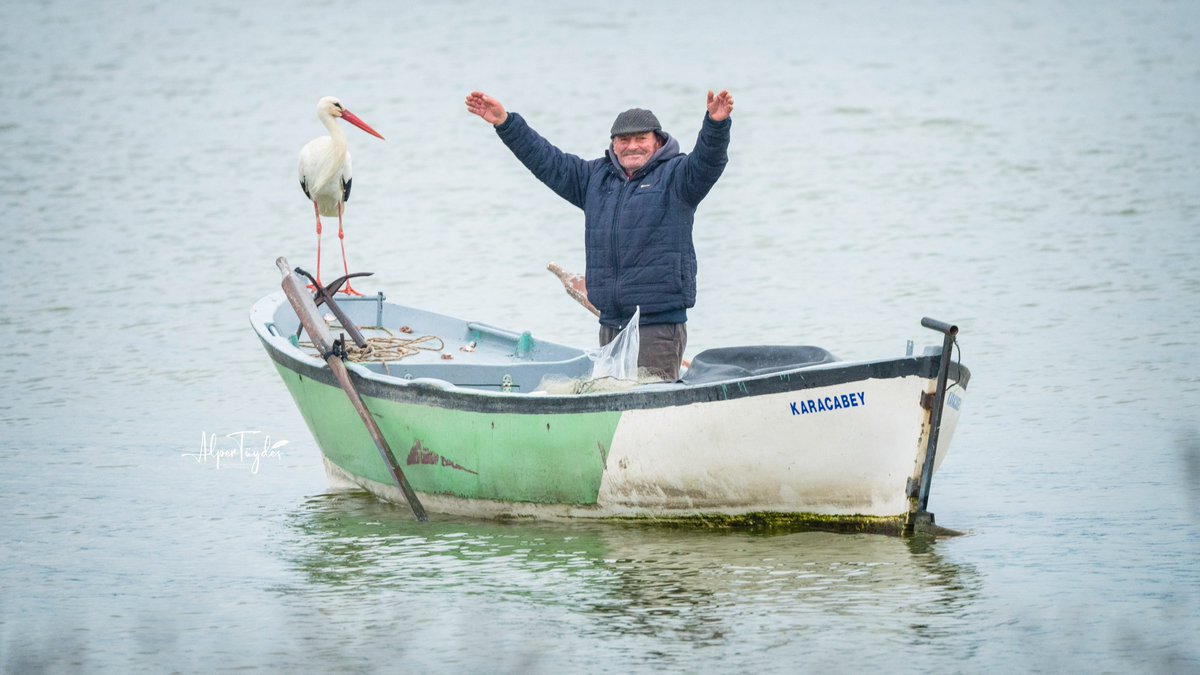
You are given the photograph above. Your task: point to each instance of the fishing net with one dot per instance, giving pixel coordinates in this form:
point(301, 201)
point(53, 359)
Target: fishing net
point(614, 367)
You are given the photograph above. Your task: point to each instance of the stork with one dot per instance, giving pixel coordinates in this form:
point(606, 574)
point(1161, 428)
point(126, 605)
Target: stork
point(325, 172)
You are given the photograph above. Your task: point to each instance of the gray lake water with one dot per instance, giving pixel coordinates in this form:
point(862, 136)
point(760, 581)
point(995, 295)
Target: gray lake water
point(1027, 170)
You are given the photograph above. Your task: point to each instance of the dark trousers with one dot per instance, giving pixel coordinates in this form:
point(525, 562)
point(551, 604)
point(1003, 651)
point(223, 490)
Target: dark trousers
point(660, 348)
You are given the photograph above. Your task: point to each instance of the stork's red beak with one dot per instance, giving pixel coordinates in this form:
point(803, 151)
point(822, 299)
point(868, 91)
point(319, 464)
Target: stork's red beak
point(353, 119)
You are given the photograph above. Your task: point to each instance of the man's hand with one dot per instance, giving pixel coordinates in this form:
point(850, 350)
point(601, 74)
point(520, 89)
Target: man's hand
point(720, 106)
point(479, 103)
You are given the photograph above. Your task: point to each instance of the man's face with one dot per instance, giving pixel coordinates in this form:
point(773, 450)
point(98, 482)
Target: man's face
point(634, 150)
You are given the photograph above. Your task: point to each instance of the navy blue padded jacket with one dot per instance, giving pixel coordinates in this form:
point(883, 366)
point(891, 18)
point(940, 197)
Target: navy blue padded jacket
point(637, 231)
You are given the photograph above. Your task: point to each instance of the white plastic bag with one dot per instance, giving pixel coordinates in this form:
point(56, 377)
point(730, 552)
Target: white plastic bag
point(619, 358)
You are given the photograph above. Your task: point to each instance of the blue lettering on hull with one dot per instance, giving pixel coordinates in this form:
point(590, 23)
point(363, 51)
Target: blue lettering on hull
point(829, 403)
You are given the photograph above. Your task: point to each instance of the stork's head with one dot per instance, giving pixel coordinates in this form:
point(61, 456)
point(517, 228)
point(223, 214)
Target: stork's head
point(330, 106)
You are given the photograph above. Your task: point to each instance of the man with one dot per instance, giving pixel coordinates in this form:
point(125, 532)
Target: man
point(639, 202)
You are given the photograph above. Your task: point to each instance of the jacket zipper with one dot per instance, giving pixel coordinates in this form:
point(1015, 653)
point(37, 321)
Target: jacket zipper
point(616, 251)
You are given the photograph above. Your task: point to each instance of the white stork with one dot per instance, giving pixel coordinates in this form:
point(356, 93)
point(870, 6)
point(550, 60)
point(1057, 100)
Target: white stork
point(325, 172)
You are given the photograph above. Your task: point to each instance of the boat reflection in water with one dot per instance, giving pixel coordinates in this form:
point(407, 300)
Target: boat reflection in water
point(631, 595)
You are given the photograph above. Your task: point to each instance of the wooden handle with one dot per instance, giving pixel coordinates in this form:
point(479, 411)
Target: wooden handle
point(574, 285)
point(318, 332)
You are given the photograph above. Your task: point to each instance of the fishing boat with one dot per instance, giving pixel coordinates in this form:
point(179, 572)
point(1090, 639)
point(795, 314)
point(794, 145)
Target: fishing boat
point(469, 419)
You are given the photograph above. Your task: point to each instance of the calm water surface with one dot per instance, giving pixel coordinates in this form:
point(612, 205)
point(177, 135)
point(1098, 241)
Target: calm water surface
point(1025, 170)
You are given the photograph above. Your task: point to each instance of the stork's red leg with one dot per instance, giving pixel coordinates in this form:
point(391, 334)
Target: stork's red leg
point(348, 290)
point(317, 211)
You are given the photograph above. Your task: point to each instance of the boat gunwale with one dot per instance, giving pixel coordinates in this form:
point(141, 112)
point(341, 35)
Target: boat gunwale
point(445, 394)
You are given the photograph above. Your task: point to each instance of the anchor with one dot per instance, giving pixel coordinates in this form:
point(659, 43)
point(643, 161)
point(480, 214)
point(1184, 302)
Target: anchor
point(324, 295)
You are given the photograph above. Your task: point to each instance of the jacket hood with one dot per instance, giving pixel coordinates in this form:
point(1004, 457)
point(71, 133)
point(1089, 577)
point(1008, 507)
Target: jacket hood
point(669, 149)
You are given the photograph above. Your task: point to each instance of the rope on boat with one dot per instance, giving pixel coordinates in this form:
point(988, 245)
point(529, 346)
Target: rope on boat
point(959, 350)
point(385, 349)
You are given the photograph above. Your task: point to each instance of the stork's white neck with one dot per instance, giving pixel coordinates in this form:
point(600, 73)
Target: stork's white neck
point(335, 132)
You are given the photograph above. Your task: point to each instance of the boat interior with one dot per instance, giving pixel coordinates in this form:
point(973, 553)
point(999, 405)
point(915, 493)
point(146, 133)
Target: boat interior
point(414, 344)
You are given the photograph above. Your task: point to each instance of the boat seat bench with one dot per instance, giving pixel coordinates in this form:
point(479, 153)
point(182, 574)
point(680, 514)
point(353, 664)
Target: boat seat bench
point(729, 363)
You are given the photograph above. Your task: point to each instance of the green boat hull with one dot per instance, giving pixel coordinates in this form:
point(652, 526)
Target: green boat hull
point(537, 458)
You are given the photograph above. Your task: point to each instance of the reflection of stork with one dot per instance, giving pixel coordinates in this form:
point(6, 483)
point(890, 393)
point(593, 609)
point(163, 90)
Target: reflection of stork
point(325, 172)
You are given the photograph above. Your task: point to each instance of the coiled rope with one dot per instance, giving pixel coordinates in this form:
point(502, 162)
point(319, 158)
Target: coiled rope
point(385, 349)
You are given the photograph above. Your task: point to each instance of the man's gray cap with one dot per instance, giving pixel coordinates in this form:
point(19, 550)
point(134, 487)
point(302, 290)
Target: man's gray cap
point(635, 121)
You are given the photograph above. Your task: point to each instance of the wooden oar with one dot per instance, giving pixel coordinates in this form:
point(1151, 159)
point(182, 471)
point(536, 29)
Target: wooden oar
point(306, 309)
point(575, 286)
